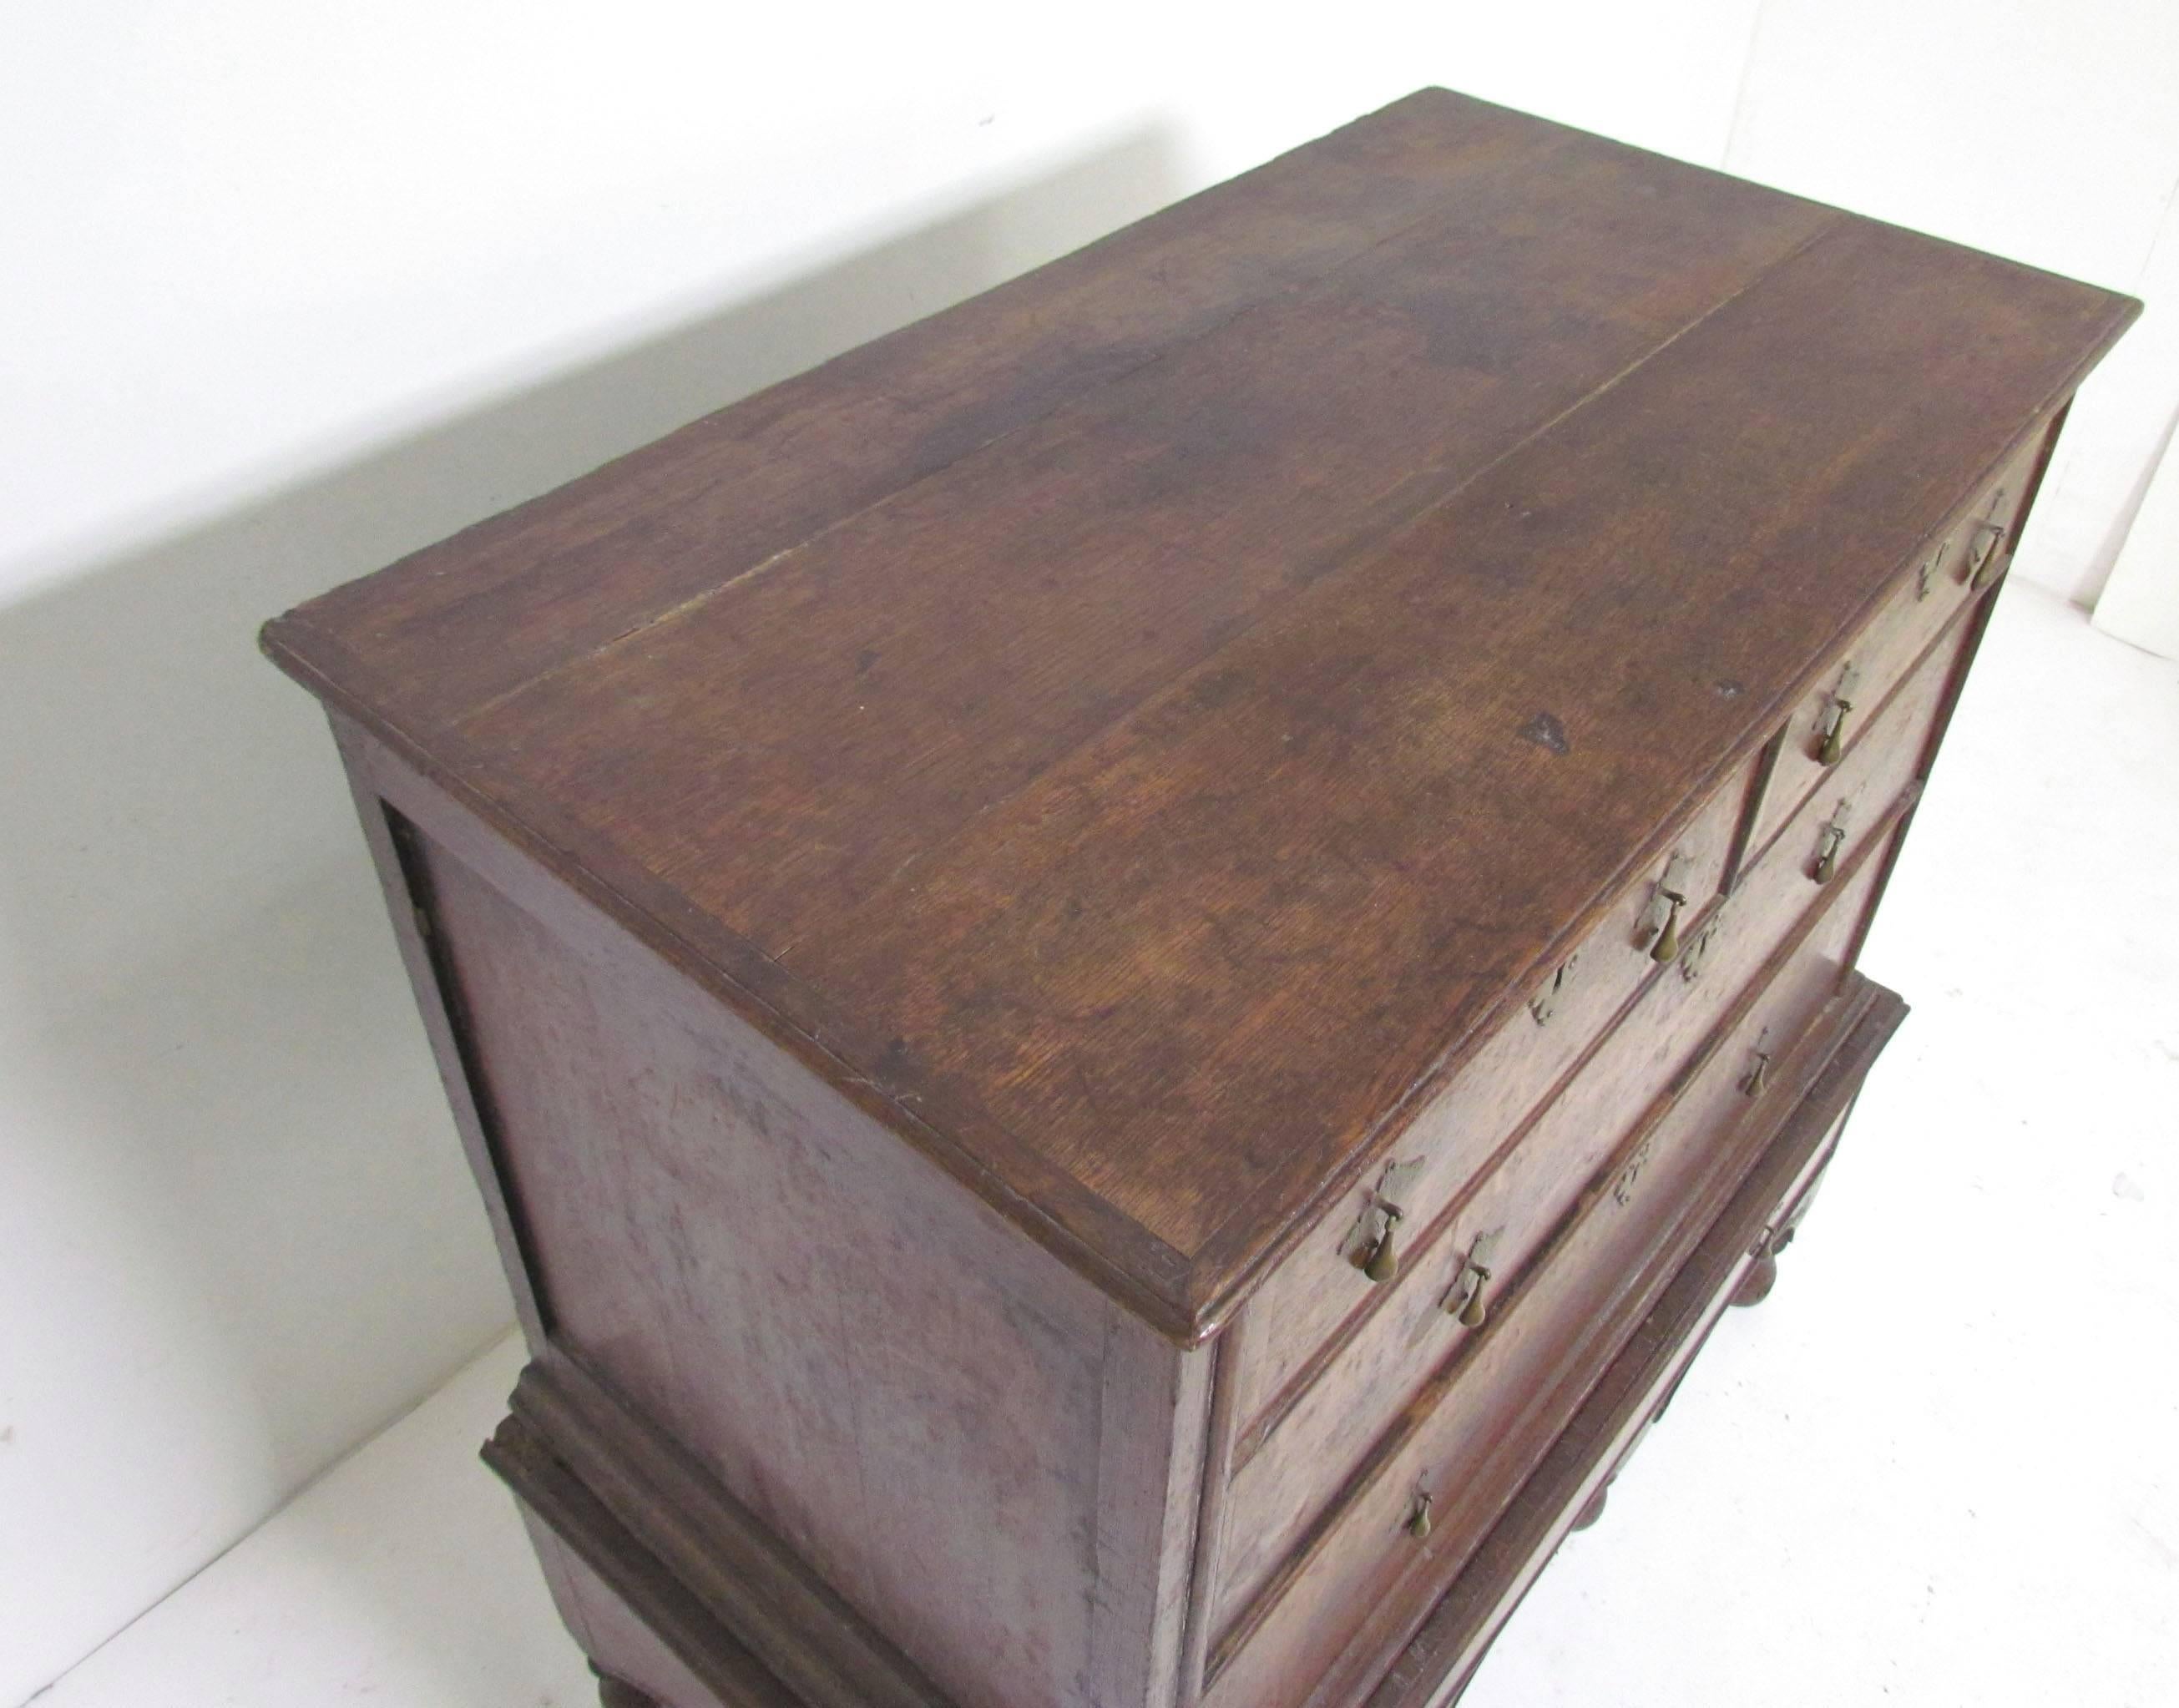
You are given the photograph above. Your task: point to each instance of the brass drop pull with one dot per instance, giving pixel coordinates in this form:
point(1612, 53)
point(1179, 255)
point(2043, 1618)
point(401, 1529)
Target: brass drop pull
point(1465, 1302)
point(1926, 572)
point(1835, 738)
point(1981, 555)
point(1832, 728)
point(1371, 1244)
point(1829, 843)
point(1384, 1260)
point(1472, 1314)
point(1667, 946)
point(1658, 931)
point(1754, 1084)
point(1546, 1003)
point(1418, 1521)
point(1697, 950)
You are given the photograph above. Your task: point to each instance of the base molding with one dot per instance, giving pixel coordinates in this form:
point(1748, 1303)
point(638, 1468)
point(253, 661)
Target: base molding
point(740, 1613)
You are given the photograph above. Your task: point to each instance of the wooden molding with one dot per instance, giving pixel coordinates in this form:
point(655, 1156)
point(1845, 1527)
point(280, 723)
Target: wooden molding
point(732, 1601)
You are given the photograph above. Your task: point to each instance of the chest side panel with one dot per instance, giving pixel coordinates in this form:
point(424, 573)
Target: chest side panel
point(989, 1461)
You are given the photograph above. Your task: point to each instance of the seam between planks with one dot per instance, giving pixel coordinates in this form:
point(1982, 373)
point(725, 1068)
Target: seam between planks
point(1299, 290)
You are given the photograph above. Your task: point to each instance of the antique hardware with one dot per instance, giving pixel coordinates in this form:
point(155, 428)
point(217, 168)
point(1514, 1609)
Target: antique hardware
point(1465, 1301)
point(1982, 550)
point(1698, 948)
point(1545, 1004)
point(1829, 841)
point(1418, 1520)
point(1831, 726)
point(1926, 572)
point(1667, 945)
point(1622, 1190)
point(1753, 1084)
point(1383, 1264)
point(1658, 930)
point(1370, 1244)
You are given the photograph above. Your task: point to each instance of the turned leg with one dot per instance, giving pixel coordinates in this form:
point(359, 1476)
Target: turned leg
point(1763, 1274)
point(619, 1693)
point(1755, 1286)
point(1594, 1510)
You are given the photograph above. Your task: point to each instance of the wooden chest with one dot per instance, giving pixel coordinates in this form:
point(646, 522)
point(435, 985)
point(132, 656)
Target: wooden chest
point(1128, 973)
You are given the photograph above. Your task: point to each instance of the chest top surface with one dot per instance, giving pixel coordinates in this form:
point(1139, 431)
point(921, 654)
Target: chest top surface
point(1129, 729)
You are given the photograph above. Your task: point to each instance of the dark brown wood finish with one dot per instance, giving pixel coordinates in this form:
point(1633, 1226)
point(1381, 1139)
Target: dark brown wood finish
point(1318, 1298)
point(1292, 1459)
point(701, 1664)
point(1495, 1403)
point(957, 1432)
point(1442, 1650)
point(1021, 781)
point(962, 903)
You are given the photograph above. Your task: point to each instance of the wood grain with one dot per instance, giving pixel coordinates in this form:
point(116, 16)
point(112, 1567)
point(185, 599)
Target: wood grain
point(989, 1461)
point(939, 891)
point(1471, 1434)
point(1098, 727)
point(1889, 644)
point(1317, 1297)
point(1436, 1655)
point(1284, 1482)
point(1560, 1138)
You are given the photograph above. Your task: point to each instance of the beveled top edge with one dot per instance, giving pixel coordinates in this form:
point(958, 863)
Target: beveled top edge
point(1185, 1294)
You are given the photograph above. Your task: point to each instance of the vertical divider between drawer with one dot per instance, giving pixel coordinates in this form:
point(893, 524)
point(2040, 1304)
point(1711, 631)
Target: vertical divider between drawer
point(1751, 809)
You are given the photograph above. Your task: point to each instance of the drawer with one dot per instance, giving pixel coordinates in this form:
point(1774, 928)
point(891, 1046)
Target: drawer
point(1323, 1282)
point(1290, 1466)
point(1850, 692)
point(1470, 1437)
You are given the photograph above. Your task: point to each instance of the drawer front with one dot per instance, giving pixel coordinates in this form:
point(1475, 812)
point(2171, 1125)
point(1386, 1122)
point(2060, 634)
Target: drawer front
point(1291, 1463)
point(1469, 1439)
point(1323, 1282)
point(1972, 548)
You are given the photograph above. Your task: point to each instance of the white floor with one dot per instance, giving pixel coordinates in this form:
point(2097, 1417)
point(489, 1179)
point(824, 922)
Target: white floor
point(1939, 1466)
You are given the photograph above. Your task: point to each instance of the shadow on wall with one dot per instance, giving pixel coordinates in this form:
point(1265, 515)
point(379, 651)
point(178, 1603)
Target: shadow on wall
point(249, 1231)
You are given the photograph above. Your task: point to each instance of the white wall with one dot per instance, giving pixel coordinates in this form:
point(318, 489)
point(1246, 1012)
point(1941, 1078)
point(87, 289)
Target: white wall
point(291, 289)
point(2141, 604)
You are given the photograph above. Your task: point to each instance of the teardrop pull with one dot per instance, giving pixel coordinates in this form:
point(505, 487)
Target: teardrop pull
point(1472, 1314)
point(1384, 1264)
point(1667, 946)
point(1418, 1521)
point(1827, 858)
point(1989, 538)
point(1754, 1084)
point(1835, 736)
